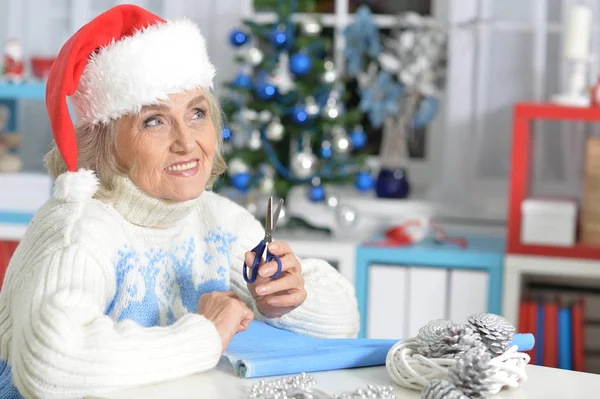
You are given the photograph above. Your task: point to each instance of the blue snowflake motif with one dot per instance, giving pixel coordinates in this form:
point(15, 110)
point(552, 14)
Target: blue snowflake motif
point(223, 240)
point(362, 38)
point(381, 98)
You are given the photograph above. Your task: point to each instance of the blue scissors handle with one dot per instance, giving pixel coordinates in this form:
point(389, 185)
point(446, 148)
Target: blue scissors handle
point(259, 250)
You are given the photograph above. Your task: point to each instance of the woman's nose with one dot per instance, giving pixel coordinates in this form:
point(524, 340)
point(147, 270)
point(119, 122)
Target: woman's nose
point(184, 139)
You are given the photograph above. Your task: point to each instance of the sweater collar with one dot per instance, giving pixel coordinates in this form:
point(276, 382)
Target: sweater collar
point(141, 209)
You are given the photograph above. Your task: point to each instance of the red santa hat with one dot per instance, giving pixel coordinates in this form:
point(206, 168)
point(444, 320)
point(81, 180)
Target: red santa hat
point(122, 60)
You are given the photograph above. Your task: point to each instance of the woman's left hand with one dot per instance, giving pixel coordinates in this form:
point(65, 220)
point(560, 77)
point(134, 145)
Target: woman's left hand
point(277, 296)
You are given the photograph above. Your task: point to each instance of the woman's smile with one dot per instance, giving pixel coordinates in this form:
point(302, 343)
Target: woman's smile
point(183, 169)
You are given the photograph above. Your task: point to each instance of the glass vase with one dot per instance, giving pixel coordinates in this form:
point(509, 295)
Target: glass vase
point(393, 180)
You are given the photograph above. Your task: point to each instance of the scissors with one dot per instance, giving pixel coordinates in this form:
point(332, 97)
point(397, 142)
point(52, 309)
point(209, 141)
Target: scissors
point(270, 223)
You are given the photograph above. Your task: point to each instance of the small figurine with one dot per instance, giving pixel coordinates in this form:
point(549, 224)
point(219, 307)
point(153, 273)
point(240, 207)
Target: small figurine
point(13, 68)
point(595, 94)
point(9, 144)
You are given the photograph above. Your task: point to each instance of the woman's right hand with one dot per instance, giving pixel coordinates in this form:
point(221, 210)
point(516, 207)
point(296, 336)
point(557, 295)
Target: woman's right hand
point(228, 312)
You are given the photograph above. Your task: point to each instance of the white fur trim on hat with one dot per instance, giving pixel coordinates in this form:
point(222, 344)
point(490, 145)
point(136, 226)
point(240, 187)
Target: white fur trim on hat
point(139, 70)
point(76, 186)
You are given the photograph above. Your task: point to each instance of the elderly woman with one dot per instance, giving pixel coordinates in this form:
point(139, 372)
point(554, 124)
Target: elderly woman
point(132, 273)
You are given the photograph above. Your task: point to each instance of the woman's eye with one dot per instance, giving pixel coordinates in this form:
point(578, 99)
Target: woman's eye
point(152, 121)
point(199, 113)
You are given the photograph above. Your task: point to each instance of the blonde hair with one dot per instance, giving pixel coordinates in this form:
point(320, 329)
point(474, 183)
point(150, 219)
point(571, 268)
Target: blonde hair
point(97, 151)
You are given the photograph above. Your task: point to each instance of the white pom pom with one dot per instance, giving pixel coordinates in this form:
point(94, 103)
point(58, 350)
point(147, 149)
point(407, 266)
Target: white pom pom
point(76, 186)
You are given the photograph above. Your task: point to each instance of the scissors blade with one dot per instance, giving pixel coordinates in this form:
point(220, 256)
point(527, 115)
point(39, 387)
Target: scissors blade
point(276, 214)
point(269, 218)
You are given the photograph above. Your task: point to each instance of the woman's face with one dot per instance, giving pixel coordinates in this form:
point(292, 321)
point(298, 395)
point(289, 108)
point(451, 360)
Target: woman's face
point(169, 147)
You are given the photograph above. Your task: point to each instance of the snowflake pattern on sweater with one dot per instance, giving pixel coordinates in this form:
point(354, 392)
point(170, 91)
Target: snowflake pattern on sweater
point(159, 286)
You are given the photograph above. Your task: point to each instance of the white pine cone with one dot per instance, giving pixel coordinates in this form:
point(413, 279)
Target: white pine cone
point(496, 332)
point(472, 373)
point(446, 339)
point(441, 389)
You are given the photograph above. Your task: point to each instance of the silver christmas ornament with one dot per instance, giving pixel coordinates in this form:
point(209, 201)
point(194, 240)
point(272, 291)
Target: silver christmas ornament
point(236, 165)
point(496, 332)
point(340, 142)
point(254, 141)
point(255, 56)
point(330, 75)
point(282, 78)
point(446, 339)
point(284, 217)
point(248, 115)
point(267, 185)
point(275, 130)
point(472, 373)
point(441, 389)
point(311, 107)
point(304, 164)
point(265, 116)
point(346, 216)
point(332, 200)
point(310, 27)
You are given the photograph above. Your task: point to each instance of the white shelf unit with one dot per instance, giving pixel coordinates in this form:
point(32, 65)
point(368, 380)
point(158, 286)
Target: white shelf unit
point(517, 267)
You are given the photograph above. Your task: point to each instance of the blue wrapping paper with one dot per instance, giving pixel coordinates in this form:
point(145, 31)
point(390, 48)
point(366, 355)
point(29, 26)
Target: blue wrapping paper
point(263, 351)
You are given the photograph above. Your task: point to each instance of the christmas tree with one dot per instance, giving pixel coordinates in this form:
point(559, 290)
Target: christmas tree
point(286, 119)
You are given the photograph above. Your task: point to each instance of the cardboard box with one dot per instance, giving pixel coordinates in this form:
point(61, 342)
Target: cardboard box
point(551, 222)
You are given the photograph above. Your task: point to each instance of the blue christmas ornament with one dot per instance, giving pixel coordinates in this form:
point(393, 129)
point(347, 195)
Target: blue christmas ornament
point(326, 151)
point(242, 81)
point(265, 91)
point(241, 180)
point(317, 193)
point(238, 38)
point(300, 64)
point(358, 138)
point(299, 115)
point(364, 181)
point(279, 36)
point(226, 133)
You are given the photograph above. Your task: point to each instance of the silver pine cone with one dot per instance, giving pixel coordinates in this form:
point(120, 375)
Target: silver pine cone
point(446, 339)
point(472, 372)
point(441, 389)
point(496, 332)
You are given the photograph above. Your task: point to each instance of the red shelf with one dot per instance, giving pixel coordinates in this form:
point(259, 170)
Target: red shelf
point(522, 146)
point(580, 251)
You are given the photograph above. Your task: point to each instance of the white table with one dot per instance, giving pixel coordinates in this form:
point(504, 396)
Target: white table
point(221, 383)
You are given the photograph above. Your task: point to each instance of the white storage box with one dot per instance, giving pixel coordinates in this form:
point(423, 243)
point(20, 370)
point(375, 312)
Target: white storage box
point(549, 222)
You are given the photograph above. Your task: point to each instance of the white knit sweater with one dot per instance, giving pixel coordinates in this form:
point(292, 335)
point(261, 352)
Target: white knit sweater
point(103, 296)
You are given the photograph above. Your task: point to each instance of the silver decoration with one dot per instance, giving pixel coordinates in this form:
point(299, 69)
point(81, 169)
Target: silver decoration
point(248, 115)
point(304, 164)
point(496, 332)
point(332, 200)
point(254, 141)
point(472, 373)
point(275, 130)
point(282, 78)
point(334, 107)
point(441, 389)
point(446, 339)
point(303, 386)
point(236, 166)
point(311, 106)
point(340, 142)
point(255, 56)
point(267, 185)
point(310, 27)
point(371, 392)
point(346, 216)
point(265, 116)
point(330, 75)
